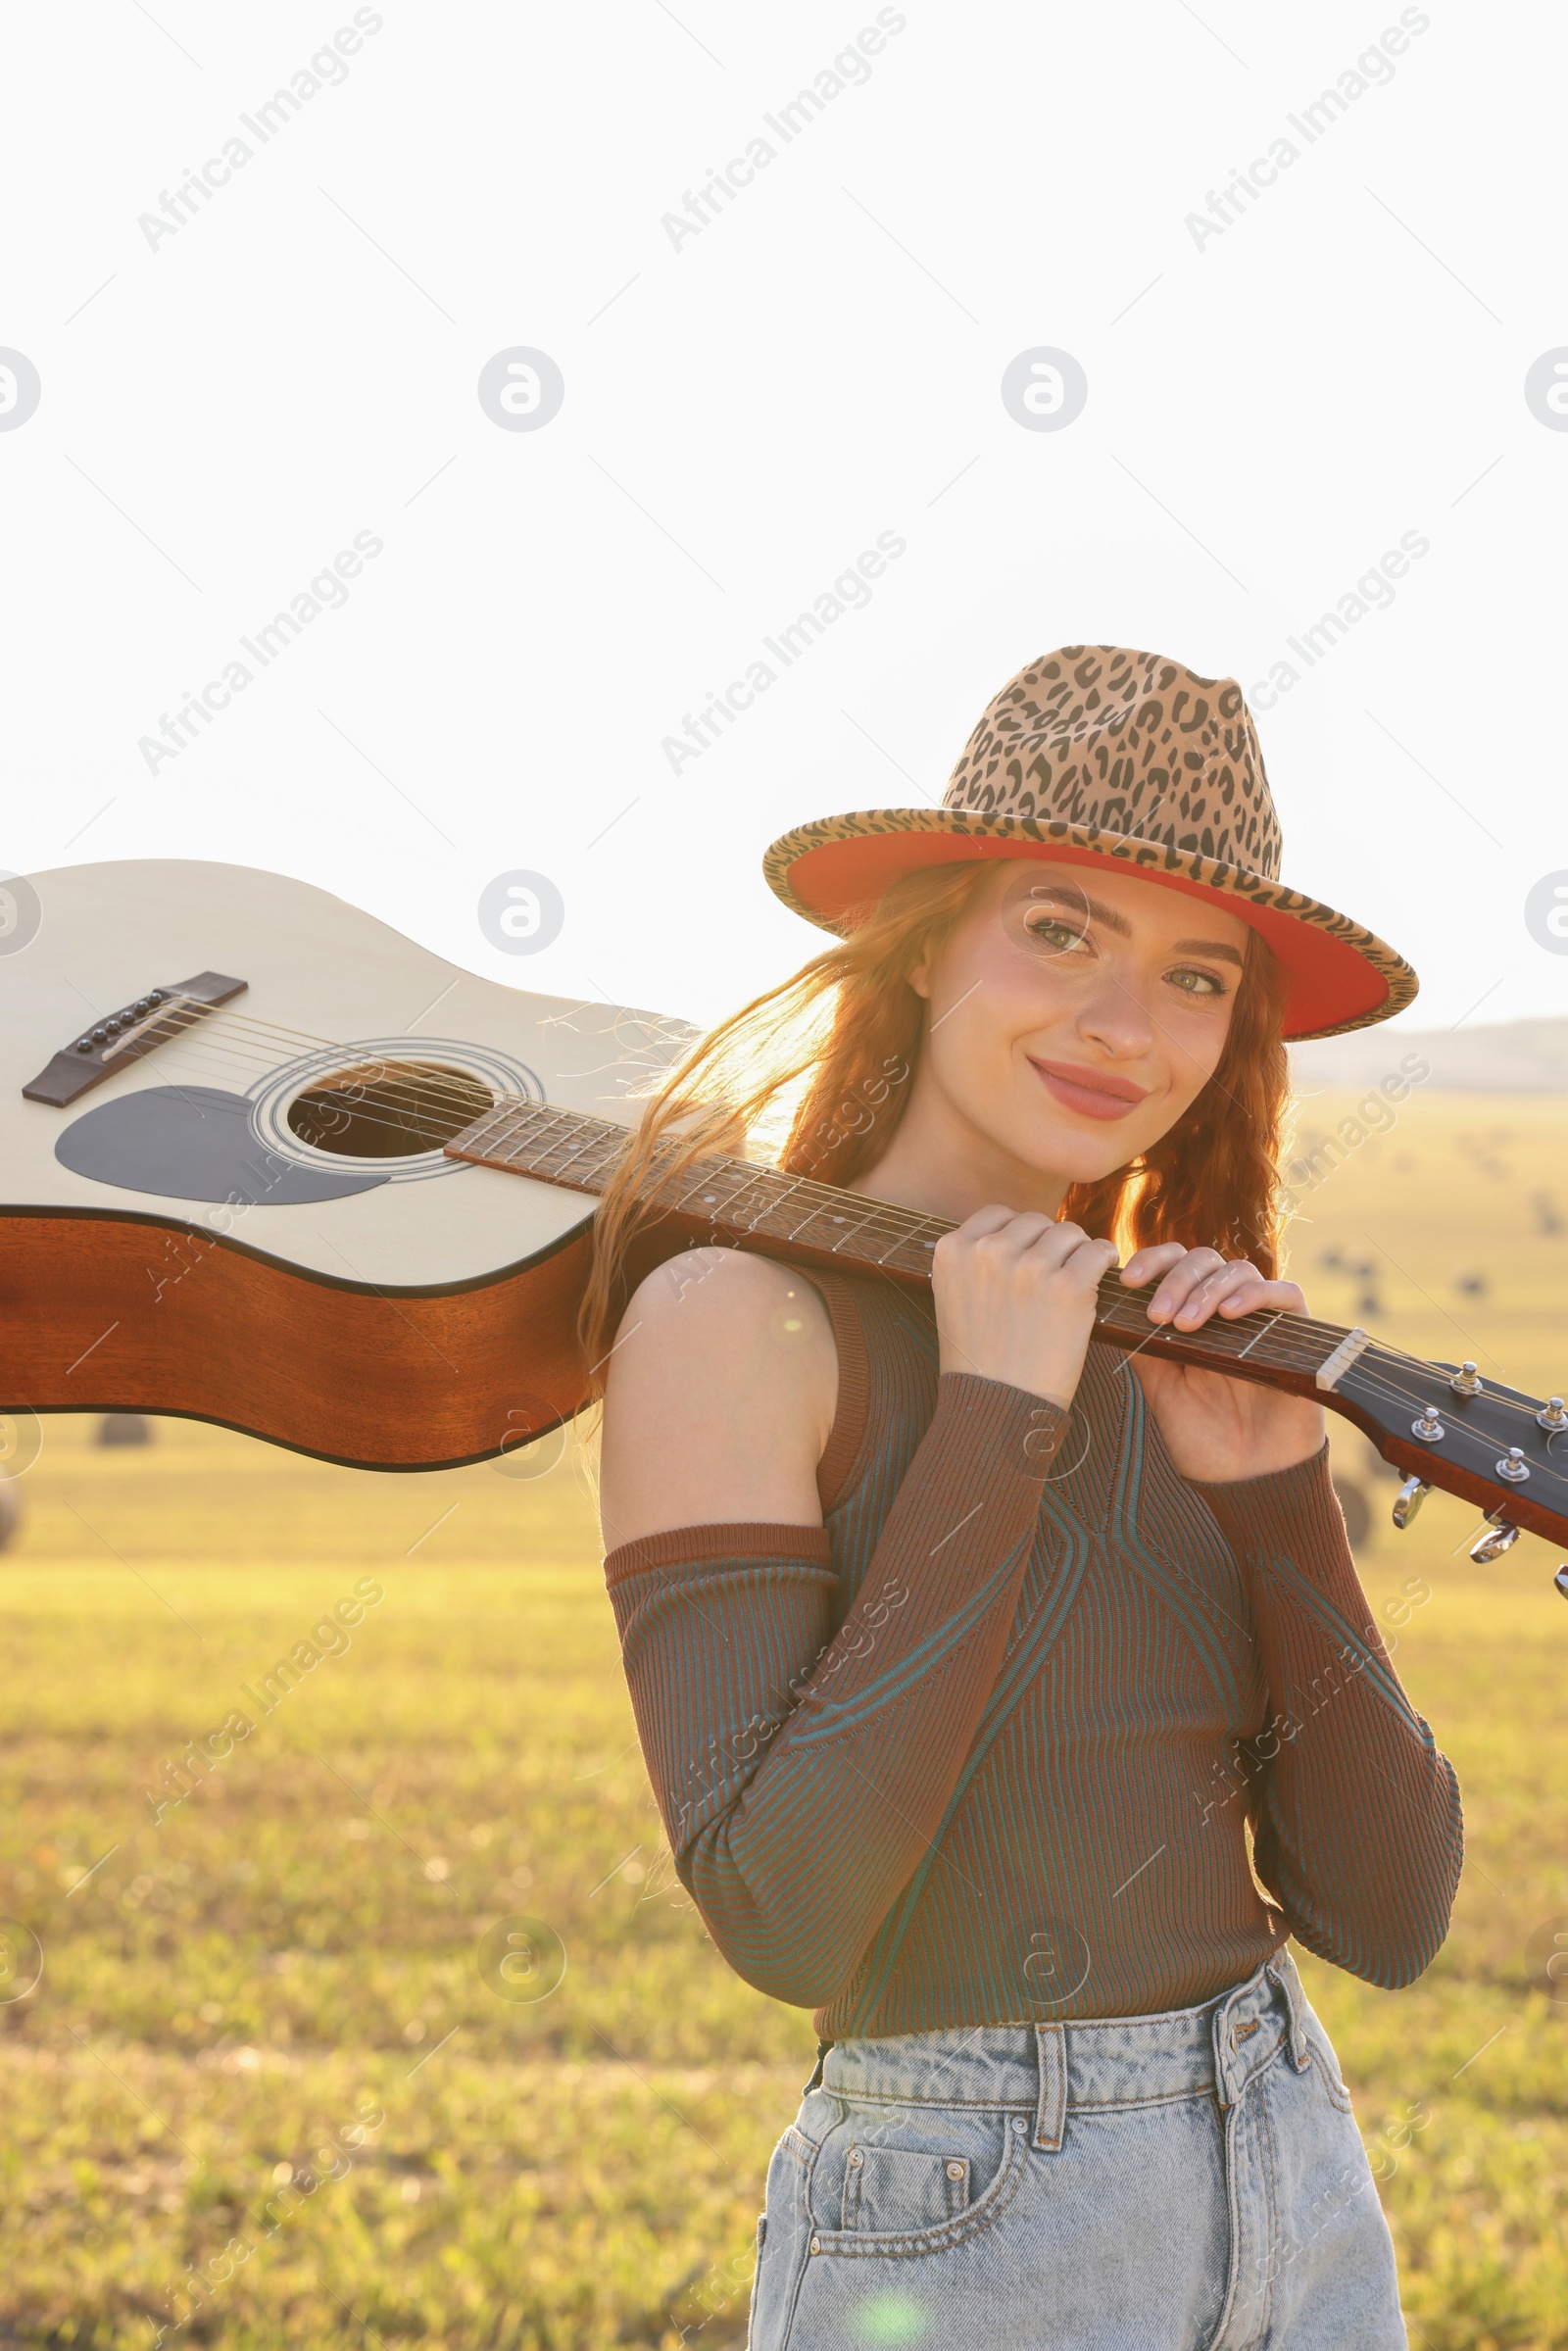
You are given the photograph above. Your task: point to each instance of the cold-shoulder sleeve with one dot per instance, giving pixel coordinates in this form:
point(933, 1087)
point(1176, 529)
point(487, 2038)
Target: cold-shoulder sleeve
point(1360, 1835)
point(801, 1757)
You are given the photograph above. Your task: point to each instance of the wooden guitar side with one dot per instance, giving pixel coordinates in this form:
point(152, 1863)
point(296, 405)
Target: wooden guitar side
point(119, 1313)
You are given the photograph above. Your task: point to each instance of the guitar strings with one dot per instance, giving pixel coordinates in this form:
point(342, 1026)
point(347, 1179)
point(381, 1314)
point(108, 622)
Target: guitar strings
point(884, 1220)
point(389, 1088)
point(1297, 1347)
point(228, 1058)
point(256, 1045)
point(262, 1032)
point(434, 1085)
point(262, 1040)
point(1433, 1392)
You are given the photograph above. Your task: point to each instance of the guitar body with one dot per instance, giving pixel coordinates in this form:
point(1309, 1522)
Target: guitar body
point(254, 1221)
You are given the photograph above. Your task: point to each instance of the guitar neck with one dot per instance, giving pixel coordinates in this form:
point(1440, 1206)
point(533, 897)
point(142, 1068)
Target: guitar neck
point(777, 1215)
point(1493, 1445)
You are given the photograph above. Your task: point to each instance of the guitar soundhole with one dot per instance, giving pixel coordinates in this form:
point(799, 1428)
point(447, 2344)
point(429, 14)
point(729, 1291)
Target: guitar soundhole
point(388, 1109)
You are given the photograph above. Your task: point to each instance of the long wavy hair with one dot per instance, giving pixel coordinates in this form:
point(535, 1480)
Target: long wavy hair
point(814, 1075)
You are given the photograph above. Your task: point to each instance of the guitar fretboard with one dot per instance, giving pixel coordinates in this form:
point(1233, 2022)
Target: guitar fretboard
point(773, 1209)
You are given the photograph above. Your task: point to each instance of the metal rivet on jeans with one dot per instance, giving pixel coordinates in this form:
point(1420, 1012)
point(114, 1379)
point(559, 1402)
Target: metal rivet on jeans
point(817, 2244)
point(954, 2170)
point(856, 2156)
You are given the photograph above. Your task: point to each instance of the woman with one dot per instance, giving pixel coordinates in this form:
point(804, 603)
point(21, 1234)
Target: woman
point(975, 1669)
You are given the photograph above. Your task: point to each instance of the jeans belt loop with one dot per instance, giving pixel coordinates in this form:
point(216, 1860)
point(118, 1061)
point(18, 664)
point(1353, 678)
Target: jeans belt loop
point(1051, 2107)
point(1282, 1968)
point(1220, 2031)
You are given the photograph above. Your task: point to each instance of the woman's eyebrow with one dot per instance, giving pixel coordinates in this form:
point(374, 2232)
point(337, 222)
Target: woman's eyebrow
point(1209, 947)
point(1064, 895)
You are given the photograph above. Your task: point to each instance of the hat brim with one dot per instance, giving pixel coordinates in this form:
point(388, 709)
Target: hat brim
point(1341, 976)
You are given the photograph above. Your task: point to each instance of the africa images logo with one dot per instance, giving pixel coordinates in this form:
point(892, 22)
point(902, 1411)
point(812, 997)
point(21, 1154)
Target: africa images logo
point(1547, 913)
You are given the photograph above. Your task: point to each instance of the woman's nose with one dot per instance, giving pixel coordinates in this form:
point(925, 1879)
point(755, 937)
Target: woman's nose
point(1117, 1019)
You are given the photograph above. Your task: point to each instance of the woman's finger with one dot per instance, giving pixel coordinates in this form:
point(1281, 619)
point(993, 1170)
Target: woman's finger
point(1236, 1285)
point(1145, 1263)
point(989, 1219)
point(1237, 1289)
point(1024, 1228)
point(1089, 1261)
point(1195, 1267)
point(1282, 1297)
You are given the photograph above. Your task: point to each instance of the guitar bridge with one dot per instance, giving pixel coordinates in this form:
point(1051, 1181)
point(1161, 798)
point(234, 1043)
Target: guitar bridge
point(127, 1035)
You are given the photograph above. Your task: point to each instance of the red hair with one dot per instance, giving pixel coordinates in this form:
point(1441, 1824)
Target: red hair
point(841, 1041)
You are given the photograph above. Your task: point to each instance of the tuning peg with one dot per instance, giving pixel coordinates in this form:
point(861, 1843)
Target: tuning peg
point(1498, 1537)
point(1554, 1417)
point(1408, 1500)
point(1464, 1381)
point(1560, 1579)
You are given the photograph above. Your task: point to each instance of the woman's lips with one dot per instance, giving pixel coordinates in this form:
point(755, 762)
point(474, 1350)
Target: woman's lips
point(1092, 1092)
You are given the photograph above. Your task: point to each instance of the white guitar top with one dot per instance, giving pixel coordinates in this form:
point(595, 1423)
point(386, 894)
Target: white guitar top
point(329, 988)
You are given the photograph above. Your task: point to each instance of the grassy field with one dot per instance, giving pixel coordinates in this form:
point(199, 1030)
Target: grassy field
point(281, 2044)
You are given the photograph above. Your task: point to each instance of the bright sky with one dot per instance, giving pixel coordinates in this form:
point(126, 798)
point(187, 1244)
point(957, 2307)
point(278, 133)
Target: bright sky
point(289, 364)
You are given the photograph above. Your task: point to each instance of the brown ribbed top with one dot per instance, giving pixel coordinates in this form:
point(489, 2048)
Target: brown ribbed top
point(987, 1746)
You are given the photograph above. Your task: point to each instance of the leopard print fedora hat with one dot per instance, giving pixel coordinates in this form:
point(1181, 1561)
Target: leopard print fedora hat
point(1092, 753)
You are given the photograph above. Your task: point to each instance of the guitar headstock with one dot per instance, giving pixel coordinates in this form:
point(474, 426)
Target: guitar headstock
point(1447, 1426)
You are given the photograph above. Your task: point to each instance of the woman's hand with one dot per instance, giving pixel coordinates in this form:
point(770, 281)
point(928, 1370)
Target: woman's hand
point(1015, 1300)
point(1217, 1429)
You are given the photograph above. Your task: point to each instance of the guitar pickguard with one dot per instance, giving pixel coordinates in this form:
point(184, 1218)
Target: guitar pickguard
point(196, 1143)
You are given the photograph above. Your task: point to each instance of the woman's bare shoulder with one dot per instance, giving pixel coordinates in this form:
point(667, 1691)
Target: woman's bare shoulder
point(720, 1395)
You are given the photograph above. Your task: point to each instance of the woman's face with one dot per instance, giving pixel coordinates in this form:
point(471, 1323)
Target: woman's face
point(1077, 1012)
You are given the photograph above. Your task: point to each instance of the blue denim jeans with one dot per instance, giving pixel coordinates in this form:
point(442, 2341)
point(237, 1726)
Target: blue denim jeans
point(1191, 2181)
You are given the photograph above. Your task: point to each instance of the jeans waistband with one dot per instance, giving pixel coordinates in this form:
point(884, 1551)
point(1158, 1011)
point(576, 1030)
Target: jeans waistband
point(1045, 2070)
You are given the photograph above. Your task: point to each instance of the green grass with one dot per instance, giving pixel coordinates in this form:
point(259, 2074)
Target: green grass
point(291, 1956)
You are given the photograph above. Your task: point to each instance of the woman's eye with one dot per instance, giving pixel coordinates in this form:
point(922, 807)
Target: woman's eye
point(1197, 983)
point(1061, 936)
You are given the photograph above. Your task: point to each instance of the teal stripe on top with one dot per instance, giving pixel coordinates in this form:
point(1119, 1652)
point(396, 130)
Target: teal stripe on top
point(1143, 1688)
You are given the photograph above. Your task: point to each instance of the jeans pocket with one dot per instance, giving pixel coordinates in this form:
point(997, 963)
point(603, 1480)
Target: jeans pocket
point(870, 2197)
point(894, 2190)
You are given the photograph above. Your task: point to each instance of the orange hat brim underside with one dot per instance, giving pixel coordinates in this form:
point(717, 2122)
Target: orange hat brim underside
point(1341, 976)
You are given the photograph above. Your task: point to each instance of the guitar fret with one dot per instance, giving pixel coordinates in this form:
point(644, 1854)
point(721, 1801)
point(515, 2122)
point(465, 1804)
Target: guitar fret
point(532, 1140)
point(753, 1177)
point(790, 1189)
point(491, 1119)
point(775, 1211)
point(893, 1248)
point(710, 1173)
point(694, 1196)
point(853, 1231)
point(759, 1217)
point(569, 1147)
point(581, 1151)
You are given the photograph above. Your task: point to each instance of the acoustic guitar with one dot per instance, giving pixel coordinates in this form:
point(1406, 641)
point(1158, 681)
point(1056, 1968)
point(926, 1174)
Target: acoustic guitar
point(334, 1192)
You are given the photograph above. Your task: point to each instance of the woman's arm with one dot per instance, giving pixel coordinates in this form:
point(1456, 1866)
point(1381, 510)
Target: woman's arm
point(801, 1764)
point(1359, 1833)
